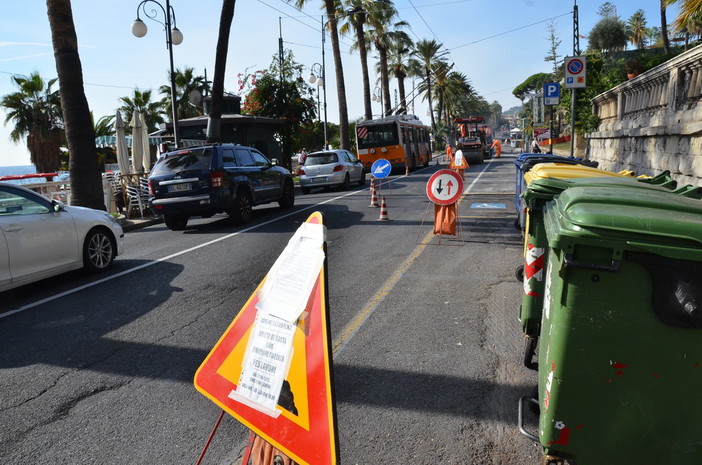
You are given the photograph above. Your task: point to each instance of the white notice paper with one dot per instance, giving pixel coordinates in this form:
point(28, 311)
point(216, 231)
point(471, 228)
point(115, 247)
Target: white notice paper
point(290, 281)
point(265, 364)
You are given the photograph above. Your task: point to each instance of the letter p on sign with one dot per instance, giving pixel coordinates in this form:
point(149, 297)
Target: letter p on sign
point(552, 93)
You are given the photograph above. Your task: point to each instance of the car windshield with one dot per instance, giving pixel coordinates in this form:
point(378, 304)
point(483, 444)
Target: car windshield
point(321, 159)
point(185, 160)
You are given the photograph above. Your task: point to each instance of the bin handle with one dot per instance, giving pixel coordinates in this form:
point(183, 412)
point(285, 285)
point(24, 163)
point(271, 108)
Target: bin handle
point(568, 262)
point(520, 417)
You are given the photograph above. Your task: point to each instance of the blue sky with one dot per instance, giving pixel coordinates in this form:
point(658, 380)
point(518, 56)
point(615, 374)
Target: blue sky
point(496, 43)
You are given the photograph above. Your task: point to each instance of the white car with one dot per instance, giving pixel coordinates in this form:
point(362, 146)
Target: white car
point(40, 237)
point(331, 168)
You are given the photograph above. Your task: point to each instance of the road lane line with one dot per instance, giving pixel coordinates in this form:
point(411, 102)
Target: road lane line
point(353, 326)
point(174, 255)
point(169, 257)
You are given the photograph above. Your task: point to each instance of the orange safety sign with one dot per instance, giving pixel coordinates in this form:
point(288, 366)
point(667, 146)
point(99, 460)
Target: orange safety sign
point(238, 373)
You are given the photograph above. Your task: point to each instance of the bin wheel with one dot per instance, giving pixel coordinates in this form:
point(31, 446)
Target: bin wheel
point(529, 351)
point(519, 273)
point(551, 460)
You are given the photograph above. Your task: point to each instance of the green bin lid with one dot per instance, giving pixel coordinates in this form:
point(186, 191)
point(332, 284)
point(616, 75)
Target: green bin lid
point(547, 188)
point(621, 218)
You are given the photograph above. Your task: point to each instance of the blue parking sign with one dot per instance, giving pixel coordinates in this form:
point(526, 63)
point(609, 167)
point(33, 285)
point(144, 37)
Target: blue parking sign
point(552, 93)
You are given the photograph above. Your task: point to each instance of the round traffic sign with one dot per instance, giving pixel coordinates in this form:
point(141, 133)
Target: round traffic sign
point(575, 66)
point(381, 168)
point(444, 187)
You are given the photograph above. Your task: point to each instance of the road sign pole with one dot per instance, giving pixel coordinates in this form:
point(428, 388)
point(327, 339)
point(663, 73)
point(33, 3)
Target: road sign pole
point(576, 51)
point(550, 125)
point(572, 124)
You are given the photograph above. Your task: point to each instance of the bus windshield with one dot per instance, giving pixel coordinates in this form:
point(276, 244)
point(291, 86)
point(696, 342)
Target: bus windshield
point(379, 135)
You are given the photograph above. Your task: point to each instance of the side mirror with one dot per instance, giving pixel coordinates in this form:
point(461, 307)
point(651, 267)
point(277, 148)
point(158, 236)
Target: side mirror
point(56, 206)
point(274, 161)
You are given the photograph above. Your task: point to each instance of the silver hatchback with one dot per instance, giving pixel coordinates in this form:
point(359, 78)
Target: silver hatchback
point(331, 168)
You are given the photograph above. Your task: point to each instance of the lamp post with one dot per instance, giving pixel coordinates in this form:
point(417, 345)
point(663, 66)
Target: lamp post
point(378, 97)
point(173, 37)
point(319, 80)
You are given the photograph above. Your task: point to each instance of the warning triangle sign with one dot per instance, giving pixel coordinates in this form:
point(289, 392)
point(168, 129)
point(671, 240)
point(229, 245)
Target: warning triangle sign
point(303, 422)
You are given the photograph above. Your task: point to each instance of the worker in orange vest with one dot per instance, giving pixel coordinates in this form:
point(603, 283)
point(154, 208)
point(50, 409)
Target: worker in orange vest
point(497, 145)
point(449, 153)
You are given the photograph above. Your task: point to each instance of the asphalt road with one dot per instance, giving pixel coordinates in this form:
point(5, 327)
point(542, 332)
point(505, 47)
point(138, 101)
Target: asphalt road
point(99, 370)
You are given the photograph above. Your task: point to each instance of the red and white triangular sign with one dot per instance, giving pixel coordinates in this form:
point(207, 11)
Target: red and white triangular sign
point(303, 424)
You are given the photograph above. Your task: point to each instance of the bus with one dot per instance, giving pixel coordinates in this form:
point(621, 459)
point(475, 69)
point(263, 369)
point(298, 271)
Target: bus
point(400, 139)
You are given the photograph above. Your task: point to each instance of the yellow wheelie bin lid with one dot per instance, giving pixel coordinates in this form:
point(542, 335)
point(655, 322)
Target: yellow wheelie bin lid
point(564, 171)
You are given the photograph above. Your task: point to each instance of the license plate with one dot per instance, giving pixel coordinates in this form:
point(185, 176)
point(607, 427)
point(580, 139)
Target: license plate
point(318, 179)
point(179, 187)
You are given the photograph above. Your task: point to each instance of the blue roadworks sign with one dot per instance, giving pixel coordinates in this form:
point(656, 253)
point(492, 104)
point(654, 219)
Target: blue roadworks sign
point(381, 168)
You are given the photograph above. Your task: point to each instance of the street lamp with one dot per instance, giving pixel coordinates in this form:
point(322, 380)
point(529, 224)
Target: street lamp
point(173, 37)
point(378, 97)
point(319, 80)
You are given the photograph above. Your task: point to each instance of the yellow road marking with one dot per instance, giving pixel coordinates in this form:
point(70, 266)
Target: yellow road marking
point(357, 322)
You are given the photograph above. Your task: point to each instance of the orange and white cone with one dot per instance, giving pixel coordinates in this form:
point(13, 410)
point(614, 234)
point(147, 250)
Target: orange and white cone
point(383, 211)
point(374, 195)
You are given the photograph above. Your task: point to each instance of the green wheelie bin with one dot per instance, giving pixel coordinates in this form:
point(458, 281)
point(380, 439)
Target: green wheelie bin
point(537, 194)
point(620, 364)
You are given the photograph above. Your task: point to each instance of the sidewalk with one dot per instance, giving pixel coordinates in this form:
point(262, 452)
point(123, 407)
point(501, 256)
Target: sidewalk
point(132, 224)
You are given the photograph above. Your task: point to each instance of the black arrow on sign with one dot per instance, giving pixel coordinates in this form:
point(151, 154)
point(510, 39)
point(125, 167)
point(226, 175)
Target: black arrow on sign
point(439, 189)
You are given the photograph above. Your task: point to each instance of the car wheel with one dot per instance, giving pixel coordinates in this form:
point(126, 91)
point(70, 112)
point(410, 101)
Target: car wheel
point(362, 181)
point(243, 208)
point(305, 190)
point(175, 222)
point(99, 250)
point(287, 199)
point(346, 185)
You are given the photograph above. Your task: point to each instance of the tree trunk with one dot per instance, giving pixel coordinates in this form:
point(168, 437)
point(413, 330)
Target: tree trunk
point(403, 96)
point(86, 182)
point(214, 120)
point(664, 30)
point(384, 79)
point(431, 106)
point(363, 50)
point(339, 70)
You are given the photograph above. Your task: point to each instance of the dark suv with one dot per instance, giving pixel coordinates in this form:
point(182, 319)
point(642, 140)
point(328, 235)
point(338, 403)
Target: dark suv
point(202, 181)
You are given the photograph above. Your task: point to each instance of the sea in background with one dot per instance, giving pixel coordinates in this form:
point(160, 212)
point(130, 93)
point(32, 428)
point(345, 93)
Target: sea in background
point(23, 169)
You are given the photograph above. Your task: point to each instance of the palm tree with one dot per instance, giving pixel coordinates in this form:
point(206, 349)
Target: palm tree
point(688, 9)
point(35, 111)
point(664, 26)
point(401, 45)
point(457, 95)
point(636, 28)
point(332, 25)
point(105, 126)
point(185, 82)
point(86, 181)
point(383, 33)
point(357, 21)
point(215, 117)
point(141, 101)
point(426, 53)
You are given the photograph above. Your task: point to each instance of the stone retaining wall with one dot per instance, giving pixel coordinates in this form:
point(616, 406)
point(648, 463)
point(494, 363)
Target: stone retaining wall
point(653, 122)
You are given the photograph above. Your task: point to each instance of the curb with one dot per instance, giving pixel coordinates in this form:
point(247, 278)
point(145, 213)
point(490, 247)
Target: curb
point(131, 225)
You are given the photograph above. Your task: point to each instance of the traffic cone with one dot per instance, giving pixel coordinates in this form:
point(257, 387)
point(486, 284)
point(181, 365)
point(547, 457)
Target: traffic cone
point(374, 195)
point(383, 211)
